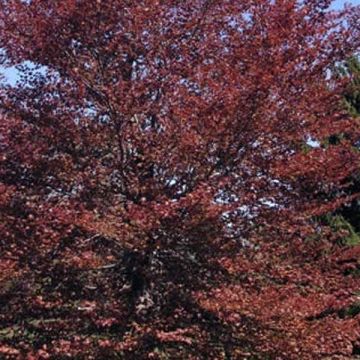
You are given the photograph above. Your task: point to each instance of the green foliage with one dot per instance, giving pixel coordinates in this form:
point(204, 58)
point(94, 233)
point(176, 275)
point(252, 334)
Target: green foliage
point(352, 94)
point(339, 224)
point(350, 311)
point(349, 217)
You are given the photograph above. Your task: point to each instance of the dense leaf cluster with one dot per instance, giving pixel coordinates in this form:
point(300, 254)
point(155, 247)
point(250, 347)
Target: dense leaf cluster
point(159, 198)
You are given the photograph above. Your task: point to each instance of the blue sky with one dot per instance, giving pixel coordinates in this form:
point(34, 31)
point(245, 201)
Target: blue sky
point(338, 4)
point(10, 74)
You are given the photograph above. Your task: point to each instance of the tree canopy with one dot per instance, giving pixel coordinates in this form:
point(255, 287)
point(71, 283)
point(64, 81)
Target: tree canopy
point(158, 198)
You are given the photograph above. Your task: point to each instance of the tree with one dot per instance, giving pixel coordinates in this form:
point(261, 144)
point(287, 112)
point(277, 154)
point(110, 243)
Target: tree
point(351, 69)
point(346, 218)
point(156, 200)
point(352, 102)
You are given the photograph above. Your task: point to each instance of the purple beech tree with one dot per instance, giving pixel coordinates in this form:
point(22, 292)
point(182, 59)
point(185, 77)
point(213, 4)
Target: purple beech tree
point(157, 196)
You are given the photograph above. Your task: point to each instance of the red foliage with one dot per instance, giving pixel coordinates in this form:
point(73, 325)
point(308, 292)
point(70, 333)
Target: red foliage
point(156, 198)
